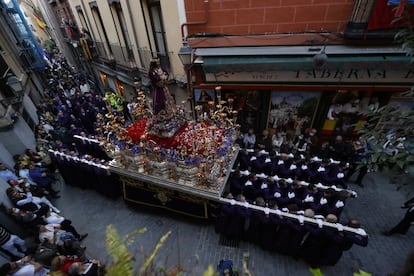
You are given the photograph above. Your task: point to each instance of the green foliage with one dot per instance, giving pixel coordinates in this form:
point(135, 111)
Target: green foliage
point(149, 260)
point(315, 271)
point(405, 37)
point(210, 271)
point(362, 273)
point(398, 154)
point(122, 260)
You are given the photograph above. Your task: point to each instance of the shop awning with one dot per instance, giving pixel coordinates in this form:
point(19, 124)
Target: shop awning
point(215, 64)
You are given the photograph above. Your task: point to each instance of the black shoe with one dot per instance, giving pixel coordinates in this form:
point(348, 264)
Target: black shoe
point(82, 237)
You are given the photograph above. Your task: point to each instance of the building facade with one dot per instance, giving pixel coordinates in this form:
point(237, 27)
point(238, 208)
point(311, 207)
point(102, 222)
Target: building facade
point(119, 38)
point(21, 66)
point(292, 65)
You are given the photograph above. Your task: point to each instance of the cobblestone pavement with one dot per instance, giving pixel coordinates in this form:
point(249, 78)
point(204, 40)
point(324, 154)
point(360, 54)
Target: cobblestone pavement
point(195, 245)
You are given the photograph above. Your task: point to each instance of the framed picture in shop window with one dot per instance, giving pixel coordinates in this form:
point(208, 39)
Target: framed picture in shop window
point(291, 112)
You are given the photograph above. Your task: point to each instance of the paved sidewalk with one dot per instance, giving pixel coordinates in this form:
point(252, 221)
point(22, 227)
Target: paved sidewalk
point(195, 245)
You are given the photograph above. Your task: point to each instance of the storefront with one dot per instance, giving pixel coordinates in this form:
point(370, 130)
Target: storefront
point(286, 89)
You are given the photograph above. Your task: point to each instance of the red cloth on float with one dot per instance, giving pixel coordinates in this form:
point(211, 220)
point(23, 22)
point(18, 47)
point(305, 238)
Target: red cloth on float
point(190, 135)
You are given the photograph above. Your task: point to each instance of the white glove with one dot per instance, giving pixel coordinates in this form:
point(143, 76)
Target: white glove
point(340, 175)
point(264, 186)
point(285, 209)
point(339, 204)
point(276, 178)
point(321, 169)
point(292, 167)
point(290, 155)
point(268, 160)
point(278, 212)
point(347, 165)
point(232, 202)
point(340, 227)
point(289, 180)
point(323, 201)
point(266, 211)
point(253, 158)
point(301, 219)
point(291, 195)
point(304, 167)
point(354, 194)
point(277, 195)
point(246, 204)
point(248, 183)
point(302, 157)
point(361, 232)
point(300, 212)
point(280, 162)
point(320, 223)
point(308, 198)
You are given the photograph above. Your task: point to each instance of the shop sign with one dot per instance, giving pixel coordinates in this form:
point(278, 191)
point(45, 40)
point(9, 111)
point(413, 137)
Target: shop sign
point(344, 75)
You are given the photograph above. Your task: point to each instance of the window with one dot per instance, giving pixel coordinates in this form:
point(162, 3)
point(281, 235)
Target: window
point(125, 51)
point(101, 29)
point(376, 19)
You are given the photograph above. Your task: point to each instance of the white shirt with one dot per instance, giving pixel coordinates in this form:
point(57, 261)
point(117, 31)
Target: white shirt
point(24, 173)
point(49, 233)
point(29, 270)
point(333, 111)
point(85, 88)
point(54, 218)
point(249, 139)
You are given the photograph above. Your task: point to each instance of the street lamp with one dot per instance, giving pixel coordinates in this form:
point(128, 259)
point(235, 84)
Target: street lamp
point(186, 54)
point(186, 57)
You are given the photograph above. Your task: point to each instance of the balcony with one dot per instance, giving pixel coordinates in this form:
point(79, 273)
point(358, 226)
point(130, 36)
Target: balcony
point(102, 52)
point(123, 56)
point(119, 58)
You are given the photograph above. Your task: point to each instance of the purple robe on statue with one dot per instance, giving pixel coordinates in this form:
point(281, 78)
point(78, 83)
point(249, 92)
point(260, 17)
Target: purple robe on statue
point(163, 103)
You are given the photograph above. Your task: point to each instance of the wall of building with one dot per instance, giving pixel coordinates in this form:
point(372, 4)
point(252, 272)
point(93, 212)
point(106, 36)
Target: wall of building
point(16, 140)
point(239, 17)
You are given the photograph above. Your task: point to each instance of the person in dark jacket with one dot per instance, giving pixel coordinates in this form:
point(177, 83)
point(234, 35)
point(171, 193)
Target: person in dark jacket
point(403, 226)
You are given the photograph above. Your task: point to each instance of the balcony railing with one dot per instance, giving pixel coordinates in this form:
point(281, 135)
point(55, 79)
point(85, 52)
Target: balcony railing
point(123, 55)
point(102, 52)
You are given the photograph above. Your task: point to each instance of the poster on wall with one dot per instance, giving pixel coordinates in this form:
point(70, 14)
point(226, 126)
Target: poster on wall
point(292, 111)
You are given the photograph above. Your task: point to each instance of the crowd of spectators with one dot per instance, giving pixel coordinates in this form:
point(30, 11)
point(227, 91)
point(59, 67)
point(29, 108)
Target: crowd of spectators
point(70, 107)
point(52, 242)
